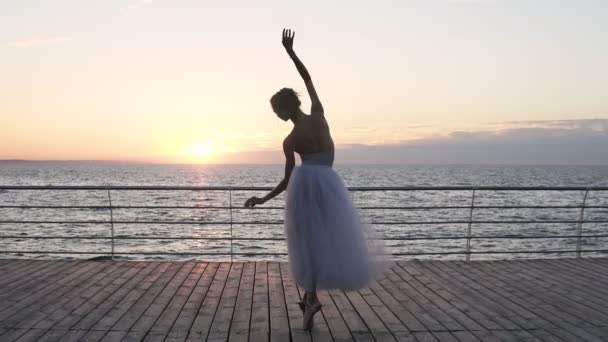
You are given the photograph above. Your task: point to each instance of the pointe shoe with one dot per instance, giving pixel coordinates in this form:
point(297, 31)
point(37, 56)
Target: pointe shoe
point(302, 303)
point(310, 309)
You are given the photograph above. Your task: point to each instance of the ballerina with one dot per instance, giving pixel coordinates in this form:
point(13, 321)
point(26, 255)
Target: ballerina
point(327, 241)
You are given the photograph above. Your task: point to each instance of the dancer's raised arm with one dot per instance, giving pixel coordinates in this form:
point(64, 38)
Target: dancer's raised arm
point(316, 108)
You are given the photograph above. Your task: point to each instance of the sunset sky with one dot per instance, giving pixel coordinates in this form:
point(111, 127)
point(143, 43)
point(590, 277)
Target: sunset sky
point(190, 80)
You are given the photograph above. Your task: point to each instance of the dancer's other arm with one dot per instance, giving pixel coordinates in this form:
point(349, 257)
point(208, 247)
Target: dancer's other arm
point(317, 107)
point(290, 162)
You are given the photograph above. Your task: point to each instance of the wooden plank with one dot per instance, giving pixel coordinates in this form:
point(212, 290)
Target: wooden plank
point(432, 316)
point(433, 287)
point(6, 263)
point(588, 268)
point(25, 273)
point(43, 271)
point(220, 326)
point(465, 336)
point(31, 284)
point(12, 334)
point(156, 336)
point(167, 318)
point(113, 336)
point(13, 265)
point(477, 304)
point(506, 335)
point(540, 316)
point(549, 293)
point(183, 323)
point(589, 288)
point(487, 336)
point(292, 297)
point(68, 299)
point(335, 321)
point(545, 336)
point(20, 306)
point(91, 336)
point(239, 329)
point(357, 326)
point(96, 294)
point(132, 315)
point(444, 336)
point(559, 317)
point(565, 334)
point(583, 270)
point(118, 310)
point(375, 325)
point(34, 291)
point(402, 297)
point(149, 317)
point(73, 336)
point(99, 312)
point(423, 336)
point(204, 317)
point(588, 292)
point(31, 335)
point(388, 318)
point(52, 335)
point(279, 321)
point(484, 304)
point(260, 316)
point(392, 304)
point(134, 336)
point(497, 299)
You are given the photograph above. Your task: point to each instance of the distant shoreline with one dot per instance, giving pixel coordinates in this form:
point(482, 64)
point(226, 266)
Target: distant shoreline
point(86, 161)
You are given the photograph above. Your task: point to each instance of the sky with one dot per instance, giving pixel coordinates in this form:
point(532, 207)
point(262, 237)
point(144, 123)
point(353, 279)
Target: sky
point(413, 81)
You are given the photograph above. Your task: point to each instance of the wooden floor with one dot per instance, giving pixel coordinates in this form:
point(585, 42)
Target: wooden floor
point(532, 300)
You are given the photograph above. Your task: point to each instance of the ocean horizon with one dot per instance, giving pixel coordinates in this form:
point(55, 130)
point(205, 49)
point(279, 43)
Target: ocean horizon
point(108, 174)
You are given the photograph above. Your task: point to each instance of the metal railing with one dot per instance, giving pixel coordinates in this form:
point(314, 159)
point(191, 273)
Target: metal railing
point(580, 220)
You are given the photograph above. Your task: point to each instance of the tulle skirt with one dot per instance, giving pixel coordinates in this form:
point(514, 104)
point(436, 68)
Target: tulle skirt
point(329, 246)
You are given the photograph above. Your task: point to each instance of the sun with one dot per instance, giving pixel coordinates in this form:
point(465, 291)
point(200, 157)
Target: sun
point(199, 152)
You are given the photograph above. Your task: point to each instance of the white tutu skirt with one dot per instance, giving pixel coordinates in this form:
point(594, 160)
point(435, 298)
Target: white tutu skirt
point(329, 246)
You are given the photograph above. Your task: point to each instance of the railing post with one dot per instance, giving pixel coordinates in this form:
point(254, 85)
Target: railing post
point(468, 250)
point(230, 197)
point(111, 223)
point(579, 228)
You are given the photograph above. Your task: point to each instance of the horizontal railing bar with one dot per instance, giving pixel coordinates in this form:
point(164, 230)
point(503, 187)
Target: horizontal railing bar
point(131, 207)
point(265, 188)
point(412, 238)
point(505, 252)
point(541, 252)
point(281, 222)
point(279, 253)
point(137, 253)
point(280, 208)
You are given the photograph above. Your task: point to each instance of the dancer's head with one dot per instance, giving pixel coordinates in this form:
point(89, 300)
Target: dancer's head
point(285, 103)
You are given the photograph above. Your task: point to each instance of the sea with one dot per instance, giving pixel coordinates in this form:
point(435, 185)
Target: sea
point(213, 225)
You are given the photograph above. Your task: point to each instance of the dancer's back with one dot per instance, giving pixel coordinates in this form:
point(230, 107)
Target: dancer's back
point(311, 134)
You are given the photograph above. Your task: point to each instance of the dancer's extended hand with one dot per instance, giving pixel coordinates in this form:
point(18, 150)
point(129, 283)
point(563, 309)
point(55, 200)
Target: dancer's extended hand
point(253, 201)
point(288, 39)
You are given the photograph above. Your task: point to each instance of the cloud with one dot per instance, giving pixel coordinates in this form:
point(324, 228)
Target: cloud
point(527, 142)
point(137, 4)
point(39, 41)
